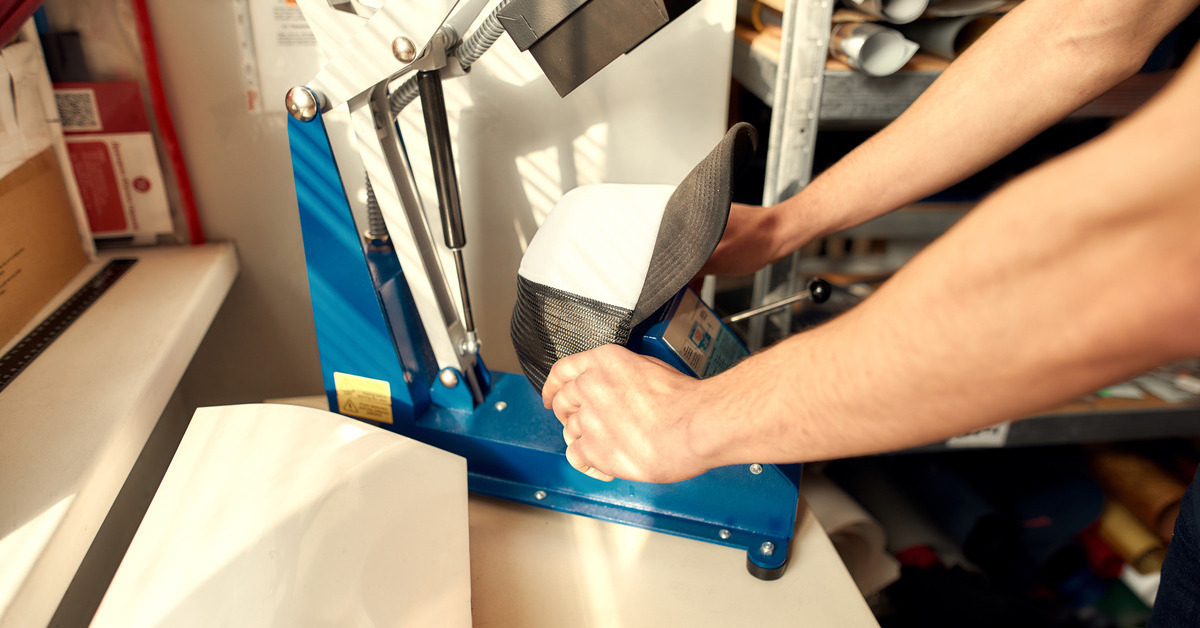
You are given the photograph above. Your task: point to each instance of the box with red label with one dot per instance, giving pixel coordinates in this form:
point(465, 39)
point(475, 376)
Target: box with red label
point(115, 159)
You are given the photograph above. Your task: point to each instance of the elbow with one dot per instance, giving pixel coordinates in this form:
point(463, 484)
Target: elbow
point(1111, 39)
point(1183, 307)
point(1124, 54)
point(1118, 67)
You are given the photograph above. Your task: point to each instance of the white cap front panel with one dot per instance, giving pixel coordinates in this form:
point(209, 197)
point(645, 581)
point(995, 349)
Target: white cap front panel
point(598, 241)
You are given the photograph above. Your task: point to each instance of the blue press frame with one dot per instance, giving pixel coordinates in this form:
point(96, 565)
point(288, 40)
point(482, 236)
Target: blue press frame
point(367, 325)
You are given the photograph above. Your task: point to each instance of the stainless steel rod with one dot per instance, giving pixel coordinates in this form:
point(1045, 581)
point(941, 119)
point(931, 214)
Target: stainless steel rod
point(818, 291)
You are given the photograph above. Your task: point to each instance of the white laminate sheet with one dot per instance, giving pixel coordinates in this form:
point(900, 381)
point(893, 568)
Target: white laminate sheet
point(275, 515)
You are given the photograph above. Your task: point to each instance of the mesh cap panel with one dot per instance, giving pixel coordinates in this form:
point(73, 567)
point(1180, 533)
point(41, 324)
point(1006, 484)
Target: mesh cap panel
point(548, 324)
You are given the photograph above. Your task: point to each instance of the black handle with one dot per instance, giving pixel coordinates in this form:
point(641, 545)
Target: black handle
point(819, 289)
point(433, 105)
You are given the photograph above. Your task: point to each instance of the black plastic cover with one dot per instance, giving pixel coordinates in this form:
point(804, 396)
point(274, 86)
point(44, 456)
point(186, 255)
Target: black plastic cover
point(573, 39)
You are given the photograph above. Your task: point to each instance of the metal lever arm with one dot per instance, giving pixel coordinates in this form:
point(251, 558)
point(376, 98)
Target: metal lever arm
point(818, 290)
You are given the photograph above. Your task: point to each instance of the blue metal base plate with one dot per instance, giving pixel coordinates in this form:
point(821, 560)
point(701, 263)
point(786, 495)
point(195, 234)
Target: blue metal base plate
point(515, 450)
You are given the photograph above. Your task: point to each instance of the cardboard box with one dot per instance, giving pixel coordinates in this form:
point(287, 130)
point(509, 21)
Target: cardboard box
point(40, 249)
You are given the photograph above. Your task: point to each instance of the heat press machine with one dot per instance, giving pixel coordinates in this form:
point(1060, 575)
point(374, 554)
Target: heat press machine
point(393, 316)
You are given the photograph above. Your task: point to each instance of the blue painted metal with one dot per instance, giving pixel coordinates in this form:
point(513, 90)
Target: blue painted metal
point(408, 335)
point(647, 337)
point(648, 340)
point(707, 335)
point(456, 397)
point(353, 333)
point(513, 446)
point(514, 449)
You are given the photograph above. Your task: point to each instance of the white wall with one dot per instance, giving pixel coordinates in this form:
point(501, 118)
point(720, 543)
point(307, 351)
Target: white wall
point(646, 118)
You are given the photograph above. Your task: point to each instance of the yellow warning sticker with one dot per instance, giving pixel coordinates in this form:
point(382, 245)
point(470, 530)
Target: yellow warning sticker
point(362, 397)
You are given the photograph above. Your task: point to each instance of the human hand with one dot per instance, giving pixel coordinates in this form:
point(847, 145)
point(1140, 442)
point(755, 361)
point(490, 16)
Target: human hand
point(752, 239)
point(625, 415)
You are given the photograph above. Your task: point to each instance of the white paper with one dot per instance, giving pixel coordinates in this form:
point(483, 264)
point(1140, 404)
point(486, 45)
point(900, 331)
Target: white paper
point(958, 8)
point(1124, 390)
point(1162, 389)
point(994, 436)
point(282, 53)
point(24, 131)
point(1144, 586)
point(948, 37)
point(870, 48)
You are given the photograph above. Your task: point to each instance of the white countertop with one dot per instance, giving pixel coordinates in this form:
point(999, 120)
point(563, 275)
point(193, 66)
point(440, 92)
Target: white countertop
point(533, 567)
point(73, 423)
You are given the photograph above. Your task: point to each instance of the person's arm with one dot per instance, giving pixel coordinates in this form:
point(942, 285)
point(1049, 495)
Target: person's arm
point(1042, 61)
point(1075, 275)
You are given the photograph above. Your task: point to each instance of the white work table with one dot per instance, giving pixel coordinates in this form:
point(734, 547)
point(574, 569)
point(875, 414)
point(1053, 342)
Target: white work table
point(74, 422)
point(536, 567)
point(533, 567)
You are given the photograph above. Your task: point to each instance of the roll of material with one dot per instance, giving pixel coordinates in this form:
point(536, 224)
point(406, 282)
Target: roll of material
point(949, 37)
point(894, 11)
point(1101, 557)
point(978, 525)
point(859, 539)
point(960, 8)
point(1149, 492)
point(759, 15)
point(908, 527)
point(1132, 540)
point(1048, 495)
point(870, 48)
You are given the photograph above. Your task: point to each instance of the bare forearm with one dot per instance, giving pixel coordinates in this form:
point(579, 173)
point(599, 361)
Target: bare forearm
point(1072, 277)
point(1037, 65)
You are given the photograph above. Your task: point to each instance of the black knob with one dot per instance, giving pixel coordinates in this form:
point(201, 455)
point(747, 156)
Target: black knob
point(820, 290)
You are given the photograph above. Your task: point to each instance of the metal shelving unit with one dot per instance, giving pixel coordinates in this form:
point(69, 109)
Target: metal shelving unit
point(795, 102)
point(847, 96)
point(804, 92)
point(1095, 425)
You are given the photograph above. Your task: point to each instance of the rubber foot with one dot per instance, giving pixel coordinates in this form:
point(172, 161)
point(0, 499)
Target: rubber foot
point(763, 573)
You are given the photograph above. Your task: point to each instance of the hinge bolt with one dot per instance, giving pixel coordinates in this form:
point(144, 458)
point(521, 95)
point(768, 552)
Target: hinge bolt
point(404, 49)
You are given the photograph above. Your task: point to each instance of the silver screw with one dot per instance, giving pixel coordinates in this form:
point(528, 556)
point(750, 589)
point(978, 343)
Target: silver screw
point(448, 378)
point(540, 495)
point(302, 103)
point(767, 548)
point(404, 49)
point(756, 468)
point(501, 406)
point(724, 534)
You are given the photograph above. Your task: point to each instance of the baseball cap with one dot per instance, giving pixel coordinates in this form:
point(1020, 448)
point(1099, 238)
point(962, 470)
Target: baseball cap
point(608, 255)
